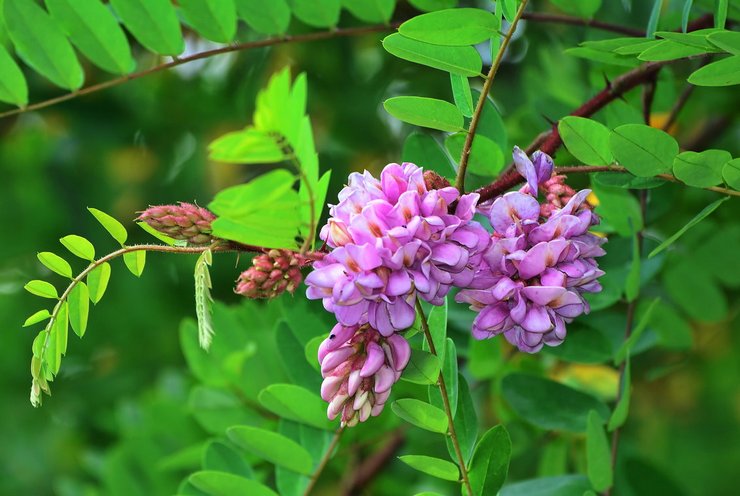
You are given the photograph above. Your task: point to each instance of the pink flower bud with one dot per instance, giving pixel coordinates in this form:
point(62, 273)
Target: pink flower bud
point(185, 222)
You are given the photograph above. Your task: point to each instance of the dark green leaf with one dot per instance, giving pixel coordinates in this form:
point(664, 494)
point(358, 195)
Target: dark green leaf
point(213, 19)
point(548, 404)
point(454, 27)
point(701, 170)
point(584, 345)
point(598, 454)
point(95, 32)
point(697, 218)
point(110, 224)
point(486, 158)
point(273, 447)
point(13, 87)
point(461, 94)
point(215, 483)
point(219, 456)
point(424, 151)
point(441, 469)
point(429, 5)
point(423, 368)
point(97, 281)
point(580, 8)
point(41, 288)
point(135, 261)
point(586, 139)
point(79, 246)
point(295, 403)
point(153, 23)
point(644, 478)
point(371, 11)
point(421, 414)
point(632, 285)
point(271, 17)
point(731, 173)
point(37, 317)
point(464, 61)
point(317, 13)
point(465, 422)
point(490, 463)
point(672, 329)
point(695, 292)
point(621, 410)
point(79, 307)
point(425, 112)
point(562, 485)
point(725, 72)
point(627, 181)
point(643, 150)
point(41, 44)
point(624, 351)
point(55, 263)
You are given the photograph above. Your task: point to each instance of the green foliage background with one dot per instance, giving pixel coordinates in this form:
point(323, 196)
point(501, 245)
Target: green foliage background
point(121, 421)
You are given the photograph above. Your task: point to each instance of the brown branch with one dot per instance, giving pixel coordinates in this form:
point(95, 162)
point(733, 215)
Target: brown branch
point(320, 35)
point(324, 460)
point(372, 466)
point(577, 21)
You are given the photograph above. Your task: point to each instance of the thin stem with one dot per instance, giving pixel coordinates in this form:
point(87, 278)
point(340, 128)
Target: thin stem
point(465, 156)
point(324, 460)
point(679, 105)
point(577, 21)
point(445, 402)
point(320, 35)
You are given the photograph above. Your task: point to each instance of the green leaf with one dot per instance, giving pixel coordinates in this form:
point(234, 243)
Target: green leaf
point(508, 9)
point(463, 61)
point(490, 463)
point(135, 261)
point(602, 57)
point(726, 40)
point(731, 173)
point(95, 32)
point(423, 368)
point(273, 447)
point(215, 483)
point(586, 139)
point(219, 456)
point(97, 282)
point(669, 50)
point(79, 246)
point(643, 150)
point(79, 307)
point(689, 39)
point(465, 422)
point(421, 414)
point(695, 292)
point(429, 5)
point(720, 14)
point(162, 237)
point(621, 410)
point(632, 285)
point(110, 224)
point(584, 345)
point(627, 181)
point(203, 299)
point(41, 44)
point(213, 19)
point(725, 72)
point(701, 170)
point(59, 334)
point(312, 351)
point(249, 146)
point(652, 24)
point(41, 288)
point(423, 150)
point(548, 404)
point(672, 329)
point(562, 485)
point(685, 13)
point(37, 317)
point(425, 112)
point(461, 94)
point(55, 263)
point(271, 17)
point(697, 218)
point(486, 158)
point(317, 13)
point(295, 403)
point(624, 350)
point(441, 469)
point(598, 454)
point(619, 208)
point(580, 8)
point(371, 10)
point(263, 212)
point(452, 27)
point(153, 23)
point(13, 87)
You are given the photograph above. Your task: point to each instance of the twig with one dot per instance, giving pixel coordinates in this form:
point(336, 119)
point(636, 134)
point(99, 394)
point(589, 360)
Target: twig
point(373, 465)
point(446, 402)
point(324, 460)
point(320, 35)
point(465, 156)
point(577, 21)
point(678, 106)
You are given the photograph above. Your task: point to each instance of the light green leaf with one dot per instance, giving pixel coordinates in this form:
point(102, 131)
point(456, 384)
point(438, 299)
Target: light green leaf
point(450, 375)
point(153, 23)
point(461, 94)
point(55, 263)
point(720, 14)
point(701, 170)
point(213, 19)
point(135, 261)
point(464, 61)
point(652, 24)
point(580, 8)
point(95, 32)
point(271, 17)
point(273, 447)
point(317, 13)
point(486, 158)
point(441, 469)
point(602, 57)
point(162, 237)
point(669, 50)
point(37, 317)
point(508, 9)
point(60, 332)
point(619, 208)
point(41, 44)
point(110, 224)
point(689, 39)
point(429, 5)
point(621, 411)
point(215, 483)
point(697, 218)
point(643, 150)
point(624, 351)
point(465, 422)
point(249, 146)
point(41, 288)
point(13, 87)
point(726, 40)
point(221, 457)
point(561, 485)
point(97, 282)
point(490, 463)
point(423, 368)
point(731, 173)
point(79, 307)
point(425, 112)
point(725, 72)
point(452, 27)
point(79, 246)
point(598, 454)
point(586, 139)
point(295, 403)
point(685, 13)
point(371, 10)
point(421, 414)
point(203, 300)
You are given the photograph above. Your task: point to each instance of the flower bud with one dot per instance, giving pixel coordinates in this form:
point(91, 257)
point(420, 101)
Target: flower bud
point(186, 222)
point(271, 274)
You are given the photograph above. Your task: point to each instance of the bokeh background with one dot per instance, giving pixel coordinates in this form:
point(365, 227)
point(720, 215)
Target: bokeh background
point(120, 405)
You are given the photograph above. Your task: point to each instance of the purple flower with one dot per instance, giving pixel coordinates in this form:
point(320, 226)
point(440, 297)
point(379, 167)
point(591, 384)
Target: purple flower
point(394, 240)
point(359, 367)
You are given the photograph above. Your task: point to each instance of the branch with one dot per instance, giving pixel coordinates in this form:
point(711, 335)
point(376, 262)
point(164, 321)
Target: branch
point(446, 400)
point(465, 156)
point(324, 460)
point(373, 465)
point(577, 21)
point(320, 35)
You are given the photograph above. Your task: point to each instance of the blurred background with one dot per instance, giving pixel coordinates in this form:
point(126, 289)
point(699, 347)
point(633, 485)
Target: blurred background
point(120, 402)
